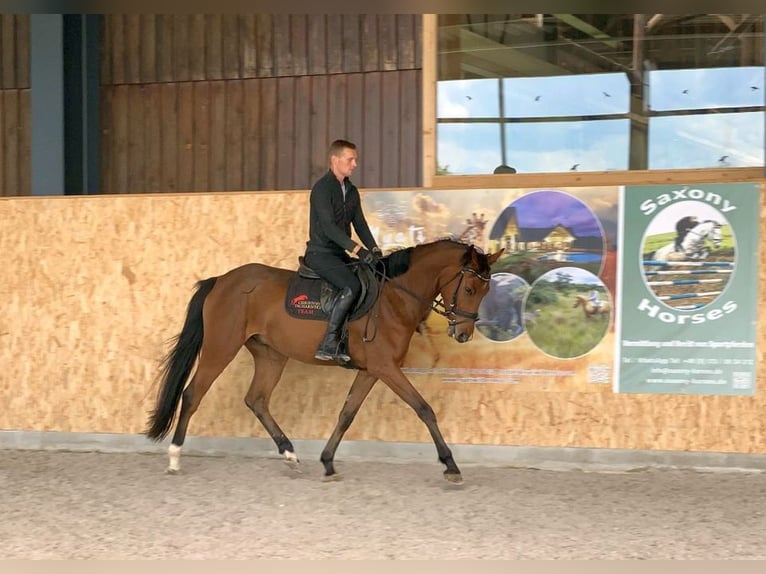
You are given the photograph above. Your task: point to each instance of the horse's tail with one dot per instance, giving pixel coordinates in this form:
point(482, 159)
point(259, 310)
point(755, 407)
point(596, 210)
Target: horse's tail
point(178, 363)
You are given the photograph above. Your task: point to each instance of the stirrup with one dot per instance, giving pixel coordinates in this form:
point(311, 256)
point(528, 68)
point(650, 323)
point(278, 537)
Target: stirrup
point(323, 356)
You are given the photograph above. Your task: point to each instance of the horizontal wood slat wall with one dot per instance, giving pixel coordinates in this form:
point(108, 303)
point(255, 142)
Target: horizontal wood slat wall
point(151, 48)
point(14, 51)
point(15, 133)
point(224, 102)
point(259, 134)
point(15, 126)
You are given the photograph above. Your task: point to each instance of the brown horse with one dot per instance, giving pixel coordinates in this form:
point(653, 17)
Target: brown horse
point(246, 306)
point(590, 309)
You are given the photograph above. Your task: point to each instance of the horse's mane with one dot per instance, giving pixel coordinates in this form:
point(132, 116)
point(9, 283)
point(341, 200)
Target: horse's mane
point(398, 262)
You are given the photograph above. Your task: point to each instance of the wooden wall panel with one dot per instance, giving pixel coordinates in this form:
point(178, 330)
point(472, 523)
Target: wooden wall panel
point(232, 55)
point(217, 178)
point(153, 136)
point(213, 46)
point(319, 122)
point(185, 138)
point(165, 51)
point(132, 48)
point(285, 132)
point(8, 62)
point(372, 142)
point(317, 39)
point(233, 136)
point(301, 153)
point(251, 128)
point(150, 55)
point(268, 143)
point(149, 48)
point(260, 134)
point(389, 134)
point(201, 130)
point(169, 147)
point(15, 122)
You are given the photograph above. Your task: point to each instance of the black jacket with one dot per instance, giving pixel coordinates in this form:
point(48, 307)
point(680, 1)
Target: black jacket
point(330, 217)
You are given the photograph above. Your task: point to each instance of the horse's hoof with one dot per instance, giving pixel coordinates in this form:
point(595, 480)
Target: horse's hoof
point(172, 471)
point(332, 477)
point(453, 478)
point(291, 460)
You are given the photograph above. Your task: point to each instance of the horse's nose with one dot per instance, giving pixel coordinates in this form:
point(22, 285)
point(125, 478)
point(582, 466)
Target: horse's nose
point(463, 337)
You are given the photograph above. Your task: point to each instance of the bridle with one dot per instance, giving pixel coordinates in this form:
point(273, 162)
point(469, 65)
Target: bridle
point(708, 233)
point(450, 313)
point(437, 305)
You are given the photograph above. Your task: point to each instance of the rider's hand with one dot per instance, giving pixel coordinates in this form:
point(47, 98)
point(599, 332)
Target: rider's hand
point(367, 257)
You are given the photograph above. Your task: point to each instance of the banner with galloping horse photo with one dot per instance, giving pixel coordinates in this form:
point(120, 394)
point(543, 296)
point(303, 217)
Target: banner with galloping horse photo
point(687, 322)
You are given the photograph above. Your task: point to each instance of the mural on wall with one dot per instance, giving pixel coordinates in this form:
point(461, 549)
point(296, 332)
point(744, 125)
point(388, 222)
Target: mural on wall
point(690, 276)
point(548, 315)
point(555, 317)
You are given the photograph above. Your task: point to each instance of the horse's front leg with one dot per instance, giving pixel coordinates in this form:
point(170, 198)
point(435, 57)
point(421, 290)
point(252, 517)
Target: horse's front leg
point(401, 385)
point(359, 390)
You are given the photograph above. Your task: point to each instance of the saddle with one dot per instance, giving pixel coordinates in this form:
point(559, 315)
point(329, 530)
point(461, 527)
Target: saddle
point(311, 297)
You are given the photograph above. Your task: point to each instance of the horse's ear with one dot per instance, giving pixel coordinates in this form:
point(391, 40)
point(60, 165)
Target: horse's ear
point(492, 257)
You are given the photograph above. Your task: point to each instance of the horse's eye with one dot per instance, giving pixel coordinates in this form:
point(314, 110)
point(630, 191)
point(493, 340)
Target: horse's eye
point(469, 290)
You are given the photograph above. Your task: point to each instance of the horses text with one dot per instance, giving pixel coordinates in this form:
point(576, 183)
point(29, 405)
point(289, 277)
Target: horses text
point(654, 312)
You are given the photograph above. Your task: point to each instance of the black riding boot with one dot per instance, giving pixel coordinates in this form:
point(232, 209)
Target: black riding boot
point(330, 350)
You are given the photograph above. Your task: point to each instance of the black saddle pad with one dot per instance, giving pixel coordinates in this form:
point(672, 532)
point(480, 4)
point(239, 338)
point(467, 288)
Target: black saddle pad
point(312, 298)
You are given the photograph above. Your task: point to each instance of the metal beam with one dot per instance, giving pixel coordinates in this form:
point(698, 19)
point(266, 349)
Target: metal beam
point(589, 29)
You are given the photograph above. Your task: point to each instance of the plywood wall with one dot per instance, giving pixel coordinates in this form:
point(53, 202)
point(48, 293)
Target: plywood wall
point(95, 286)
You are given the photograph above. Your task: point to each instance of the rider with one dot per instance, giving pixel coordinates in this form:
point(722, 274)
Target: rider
point(335, 205)
point(683, 226)
point(594, 298)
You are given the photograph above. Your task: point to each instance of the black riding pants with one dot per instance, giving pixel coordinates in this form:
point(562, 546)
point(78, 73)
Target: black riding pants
point(334, 269)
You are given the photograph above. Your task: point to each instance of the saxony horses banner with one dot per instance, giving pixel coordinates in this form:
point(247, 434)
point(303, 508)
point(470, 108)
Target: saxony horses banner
point(689, 282)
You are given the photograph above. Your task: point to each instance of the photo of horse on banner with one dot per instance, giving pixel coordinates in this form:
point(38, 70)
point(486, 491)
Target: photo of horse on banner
point(694, 243)
point(688, 260)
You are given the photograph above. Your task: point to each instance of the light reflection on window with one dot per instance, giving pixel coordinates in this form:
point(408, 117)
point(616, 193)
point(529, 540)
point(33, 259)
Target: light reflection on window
point(598, 145)
point(556, 96)
point(705, 88)
point(706, 140)
point(468, 148)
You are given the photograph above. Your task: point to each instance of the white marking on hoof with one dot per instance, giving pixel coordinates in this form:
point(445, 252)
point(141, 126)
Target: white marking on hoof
point(174, 454)
point(292, 461)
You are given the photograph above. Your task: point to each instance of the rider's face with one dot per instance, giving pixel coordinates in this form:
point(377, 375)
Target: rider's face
point(343, 165)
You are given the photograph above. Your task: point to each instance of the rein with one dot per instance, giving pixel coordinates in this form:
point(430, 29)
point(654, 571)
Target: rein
point(437, 305)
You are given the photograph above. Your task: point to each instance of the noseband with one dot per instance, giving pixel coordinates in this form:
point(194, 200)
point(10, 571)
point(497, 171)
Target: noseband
point(452, 311)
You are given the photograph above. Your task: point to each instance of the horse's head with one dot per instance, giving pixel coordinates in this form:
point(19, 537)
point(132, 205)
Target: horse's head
point(462, 293)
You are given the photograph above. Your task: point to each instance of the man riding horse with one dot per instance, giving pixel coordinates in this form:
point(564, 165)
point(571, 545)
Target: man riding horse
point(335, 204)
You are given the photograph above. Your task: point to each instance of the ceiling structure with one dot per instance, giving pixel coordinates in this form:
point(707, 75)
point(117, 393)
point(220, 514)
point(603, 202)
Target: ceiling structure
point(515, 45)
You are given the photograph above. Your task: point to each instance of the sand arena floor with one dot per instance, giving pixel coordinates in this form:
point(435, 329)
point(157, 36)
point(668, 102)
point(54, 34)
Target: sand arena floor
point(122, 506)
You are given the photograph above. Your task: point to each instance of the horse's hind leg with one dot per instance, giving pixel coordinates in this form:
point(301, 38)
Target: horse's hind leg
point(359, 390)
point(212, 362)
point(269, 365)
